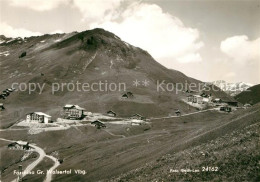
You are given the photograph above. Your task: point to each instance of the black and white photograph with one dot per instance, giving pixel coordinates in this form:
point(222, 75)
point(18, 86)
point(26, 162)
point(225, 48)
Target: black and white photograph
point(129, 90)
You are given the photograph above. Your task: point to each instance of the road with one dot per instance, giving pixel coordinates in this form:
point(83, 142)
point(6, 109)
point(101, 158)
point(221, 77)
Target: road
point(31, 166)
point(42, 154)
point(183, 114)
point(112, 134)
point(56, 164)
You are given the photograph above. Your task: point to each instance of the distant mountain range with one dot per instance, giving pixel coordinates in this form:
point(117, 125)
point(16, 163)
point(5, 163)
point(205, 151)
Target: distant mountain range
point(232, 88)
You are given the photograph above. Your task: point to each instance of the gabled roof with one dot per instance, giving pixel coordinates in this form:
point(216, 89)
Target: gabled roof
point(97, 122)
point(197, 96)
point(13, 144)
point(41, 114)
point(74, 106)
point(137, 115)
point(110, 111)
point(22, 142)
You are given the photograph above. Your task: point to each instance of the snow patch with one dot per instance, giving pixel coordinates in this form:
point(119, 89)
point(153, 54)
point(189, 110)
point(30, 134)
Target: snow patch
point(58, 40)
point(128, 45)
point(90, 61)
point(117, 37)
point(10, 40)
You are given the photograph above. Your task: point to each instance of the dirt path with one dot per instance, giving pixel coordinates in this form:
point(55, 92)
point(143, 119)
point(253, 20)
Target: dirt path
point(13, 129)
point(183, 114)
point(112, 134)
point(31, 166)
point(56, 164)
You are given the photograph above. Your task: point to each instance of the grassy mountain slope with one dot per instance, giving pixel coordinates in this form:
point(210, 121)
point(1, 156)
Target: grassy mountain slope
point(86, 57)
point(227, 155)
point(147, 152)
point(250, 96)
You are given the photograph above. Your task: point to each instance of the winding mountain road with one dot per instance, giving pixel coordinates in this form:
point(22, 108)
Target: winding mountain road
point(31, 166)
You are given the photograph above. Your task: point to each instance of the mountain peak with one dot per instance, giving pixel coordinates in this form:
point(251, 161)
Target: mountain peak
point(232, 88)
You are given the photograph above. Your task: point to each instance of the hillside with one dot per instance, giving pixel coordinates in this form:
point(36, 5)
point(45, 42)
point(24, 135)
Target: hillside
point(92, 56)
point(249, 96)
point(218, 159)
point(147, 152)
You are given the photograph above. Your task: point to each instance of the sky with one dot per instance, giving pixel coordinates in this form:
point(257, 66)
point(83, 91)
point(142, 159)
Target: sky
point(205, 39)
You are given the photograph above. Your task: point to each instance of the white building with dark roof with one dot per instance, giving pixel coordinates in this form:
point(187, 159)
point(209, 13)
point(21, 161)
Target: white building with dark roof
point(73, 111)
point(39, 117)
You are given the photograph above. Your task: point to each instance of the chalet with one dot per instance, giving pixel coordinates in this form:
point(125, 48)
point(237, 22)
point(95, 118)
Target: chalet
point(129, 94)
point(111, 113)
point(188, 91)
point(217, 100)
point(5, 93)
point(19, 146)
point(125, 96)
point(73, 112)
point(203, 95)
point(14, 145)
point(207, 99)
point(195, 99)
point(178, 113)
point(98, 124)
point(2, 96)
point(190, 98)
point(2, 107)
point(225, 109)
point(26, 146)
point(231, 103)
point(10, 89)
point(137, 116)
point(39, 117)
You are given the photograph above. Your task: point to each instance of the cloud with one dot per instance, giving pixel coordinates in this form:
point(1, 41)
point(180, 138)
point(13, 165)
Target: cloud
point(241, 49)
point(230, 75)
point(144, 25)
point(98, 10)
point(191, 57)
point(37, 5)
point(9, 31)
point(161, 34)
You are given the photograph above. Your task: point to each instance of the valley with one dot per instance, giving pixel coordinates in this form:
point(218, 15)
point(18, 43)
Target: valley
point(120, 148)
point(137, 133)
